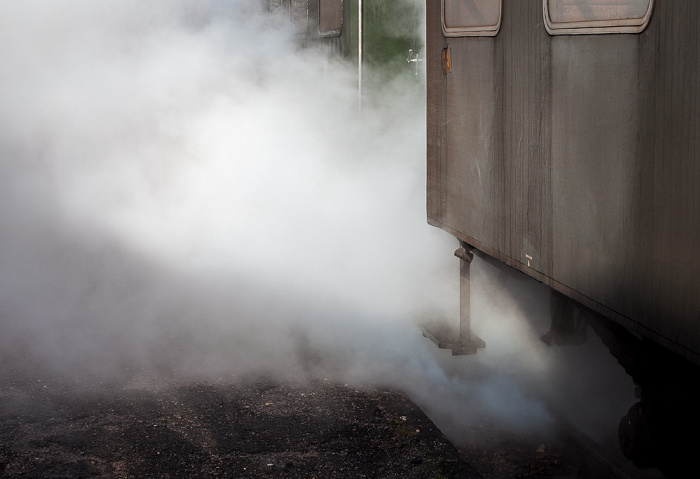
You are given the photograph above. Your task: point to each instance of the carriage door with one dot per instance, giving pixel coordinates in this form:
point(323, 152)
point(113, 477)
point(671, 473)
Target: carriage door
point(463, 116)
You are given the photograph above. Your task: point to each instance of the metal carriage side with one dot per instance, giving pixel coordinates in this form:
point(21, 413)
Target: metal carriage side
point(567, 148)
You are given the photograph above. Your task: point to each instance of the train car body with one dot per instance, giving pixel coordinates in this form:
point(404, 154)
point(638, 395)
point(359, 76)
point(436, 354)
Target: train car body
point(563, 141)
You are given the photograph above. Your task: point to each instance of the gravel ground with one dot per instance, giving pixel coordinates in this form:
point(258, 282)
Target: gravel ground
point(253, 428)
point(316, 429)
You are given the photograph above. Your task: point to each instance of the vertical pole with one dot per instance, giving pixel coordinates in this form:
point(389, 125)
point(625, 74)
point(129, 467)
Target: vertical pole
point(359, 53)
point(464, 301)
point(468, 342)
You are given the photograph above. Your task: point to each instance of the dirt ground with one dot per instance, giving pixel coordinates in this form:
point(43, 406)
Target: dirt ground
point(246, 429)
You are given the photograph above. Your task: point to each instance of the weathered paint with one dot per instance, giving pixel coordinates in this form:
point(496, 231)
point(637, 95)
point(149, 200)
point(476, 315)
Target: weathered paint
point(574, 158)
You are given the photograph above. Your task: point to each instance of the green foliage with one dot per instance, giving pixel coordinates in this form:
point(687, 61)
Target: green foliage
point(391, 29)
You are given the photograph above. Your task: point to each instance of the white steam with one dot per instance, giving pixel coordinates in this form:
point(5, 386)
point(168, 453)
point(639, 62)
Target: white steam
point(184, 187)
point(185, 191)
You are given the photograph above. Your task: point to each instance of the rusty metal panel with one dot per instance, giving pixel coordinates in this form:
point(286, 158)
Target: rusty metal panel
point(575, 160)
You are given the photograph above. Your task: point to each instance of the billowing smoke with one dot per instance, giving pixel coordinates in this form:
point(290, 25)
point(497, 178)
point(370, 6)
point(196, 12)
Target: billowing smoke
point(185, 188)
point(185, 192)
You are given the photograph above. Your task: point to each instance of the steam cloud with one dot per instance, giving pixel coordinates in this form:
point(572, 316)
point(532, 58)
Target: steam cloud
point(183, 187)
point(184, 191)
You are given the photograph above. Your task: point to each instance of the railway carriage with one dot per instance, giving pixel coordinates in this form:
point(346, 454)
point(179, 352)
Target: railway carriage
point(563, 141)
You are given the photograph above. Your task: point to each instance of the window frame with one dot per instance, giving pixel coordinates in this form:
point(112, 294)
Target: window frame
point(475, 31)
point(593, 27)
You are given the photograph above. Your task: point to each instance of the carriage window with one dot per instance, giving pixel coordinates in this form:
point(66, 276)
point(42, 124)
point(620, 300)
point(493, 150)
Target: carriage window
point(330, 17)
point(566, 17)
point(471, 18)
point(298, 10)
